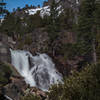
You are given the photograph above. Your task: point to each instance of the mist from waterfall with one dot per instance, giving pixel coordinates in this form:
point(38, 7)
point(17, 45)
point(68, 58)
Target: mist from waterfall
point(39, 71)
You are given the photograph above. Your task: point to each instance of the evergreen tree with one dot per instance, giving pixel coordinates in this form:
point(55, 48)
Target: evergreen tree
point(53, 26)
point(12, 26)
point(97, 28)
point(8, 25)
point(2, 8)
point(54, 20)
point(84, 85)
point(86, 34)
point(67, 18)
point(34, 21)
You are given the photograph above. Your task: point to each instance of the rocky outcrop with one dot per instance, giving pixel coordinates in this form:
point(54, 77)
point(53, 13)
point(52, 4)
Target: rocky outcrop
point(37, 41)
point(16, 88)
point(7, 71)
point(5, 44)
point(70, 4)
point(4, 53)
point(36, 92)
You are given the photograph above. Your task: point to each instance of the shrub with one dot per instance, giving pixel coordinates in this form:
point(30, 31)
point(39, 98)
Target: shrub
point(83, 85)
point(28, 40)
point(30, 97)
point(5, 73)
point(20, 45)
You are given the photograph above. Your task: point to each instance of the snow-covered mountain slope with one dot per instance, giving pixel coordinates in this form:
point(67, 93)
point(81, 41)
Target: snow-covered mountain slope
point(43, 11)
point(73, 4)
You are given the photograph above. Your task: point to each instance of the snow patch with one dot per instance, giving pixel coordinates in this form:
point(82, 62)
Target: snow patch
point(43, 11)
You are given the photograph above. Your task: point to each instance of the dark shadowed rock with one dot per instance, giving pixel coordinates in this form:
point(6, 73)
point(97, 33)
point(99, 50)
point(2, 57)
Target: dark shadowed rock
point(4, 49)
point(4, 53)
point(16, 88)
point(37, 41)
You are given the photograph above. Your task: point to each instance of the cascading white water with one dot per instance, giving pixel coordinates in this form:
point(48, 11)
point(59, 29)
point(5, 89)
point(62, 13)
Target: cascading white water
point(38, 71)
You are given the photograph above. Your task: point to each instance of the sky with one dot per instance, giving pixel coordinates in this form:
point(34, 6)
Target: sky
point(21, 3)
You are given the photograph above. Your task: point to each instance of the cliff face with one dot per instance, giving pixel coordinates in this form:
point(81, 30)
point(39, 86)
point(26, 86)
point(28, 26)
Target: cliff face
point(38, 41)
point(4, 49)
point(70, 4)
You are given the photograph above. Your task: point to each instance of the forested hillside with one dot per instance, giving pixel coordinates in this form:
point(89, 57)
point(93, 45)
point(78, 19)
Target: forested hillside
point(66, 30)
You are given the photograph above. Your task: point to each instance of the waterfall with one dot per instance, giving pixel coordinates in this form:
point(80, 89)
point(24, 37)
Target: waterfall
point(38, 71)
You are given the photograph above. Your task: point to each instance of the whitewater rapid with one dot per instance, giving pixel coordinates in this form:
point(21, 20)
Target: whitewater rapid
point(39, 71)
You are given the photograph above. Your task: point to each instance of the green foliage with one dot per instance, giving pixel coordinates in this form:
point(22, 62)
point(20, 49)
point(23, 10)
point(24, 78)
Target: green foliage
point(83, 85)
point(28, 40)
point(67, 19)
point(12, 26)
point(34, 21)
point(97, 15)
point(54, 23)
point(86, 34)
point(2, 8)
point(98, 46)
point(16, 26)
point(86, 21)
point(7, 25)
point(46, 21)
point(30, 97)
point(5, 73)
point(70, 50)
point(21, 45)
point(97, 28)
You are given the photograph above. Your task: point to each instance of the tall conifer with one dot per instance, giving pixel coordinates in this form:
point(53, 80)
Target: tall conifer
point(86, 34)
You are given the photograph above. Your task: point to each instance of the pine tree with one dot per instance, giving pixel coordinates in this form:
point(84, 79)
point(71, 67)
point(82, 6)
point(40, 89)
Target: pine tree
point(86, 34)
point(67, 18)
point(2, 8)
point(53, 25)
point(97, 28)
point(54, 20)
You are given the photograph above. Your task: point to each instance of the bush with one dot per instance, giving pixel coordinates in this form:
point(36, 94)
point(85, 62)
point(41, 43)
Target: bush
point(83, 85)
point(5, 73)
point(28, 40)
point(20, 45)
point(30, 97)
